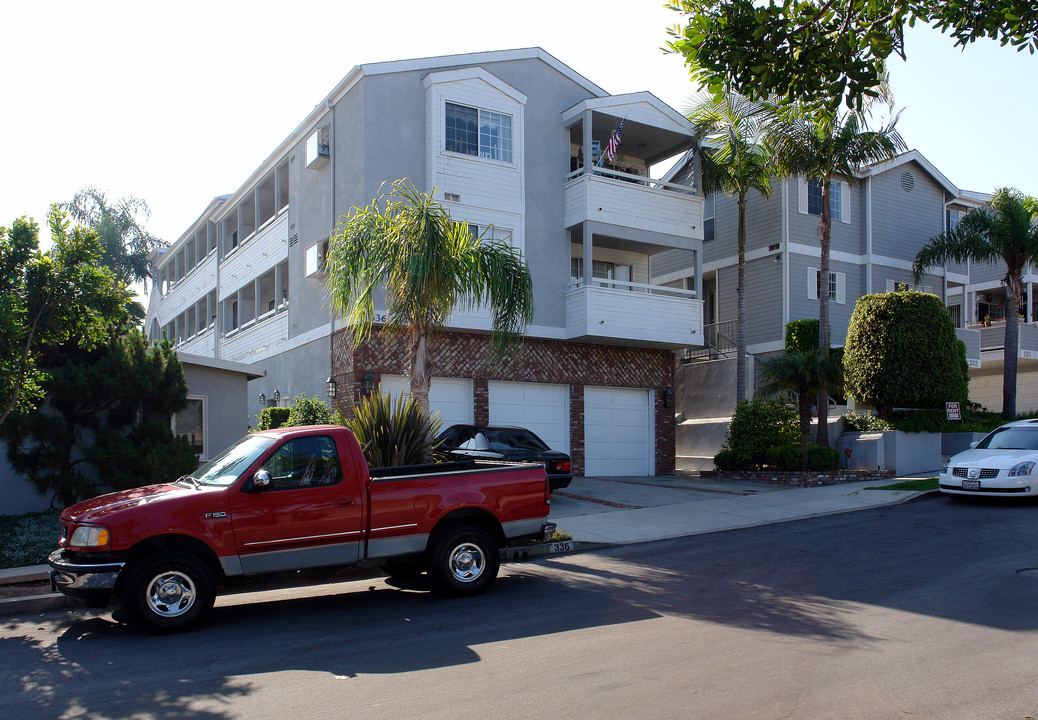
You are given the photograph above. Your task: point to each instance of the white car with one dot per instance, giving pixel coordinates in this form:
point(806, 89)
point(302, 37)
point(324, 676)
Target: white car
point(1002, 464)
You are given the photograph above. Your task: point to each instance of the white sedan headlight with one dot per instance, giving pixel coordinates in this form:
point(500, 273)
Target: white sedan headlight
point(1022, 469)
point(86, 536)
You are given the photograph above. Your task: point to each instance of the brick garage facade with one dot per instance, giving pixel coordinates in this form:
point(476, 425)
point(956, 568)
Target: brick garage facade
point(465, 355)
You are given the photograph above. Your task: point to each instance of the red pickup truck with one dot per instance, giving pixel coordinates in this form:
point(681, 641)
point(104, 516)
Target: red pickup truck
point(288, 500)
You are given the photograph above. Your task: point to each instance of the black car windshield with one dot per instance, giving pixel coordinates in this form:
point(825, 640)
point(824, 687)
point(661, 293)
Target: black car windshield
point(226, 467)
point(514, 439)
point(1011, 438)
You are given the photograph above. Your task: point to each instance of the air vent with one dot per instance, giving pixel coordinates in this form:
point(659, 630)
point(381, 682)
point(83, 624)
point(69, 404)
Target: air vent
point(772, 248)
point(452, 197)
point(293, 240)
point(907, 181)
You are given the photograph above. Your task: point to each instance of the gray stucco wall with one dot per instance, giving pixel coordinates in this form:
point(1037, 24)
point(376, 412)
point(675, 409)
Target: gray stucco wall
point(225, 404)
point(18, 495)
point(301, 370)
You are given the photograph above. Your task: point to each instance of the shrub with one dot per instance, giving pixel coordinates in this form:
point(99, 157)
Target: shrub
point(272, 417)
point(308, 411)
point(784, 457)
point(861, 423)
point(731, 460)
point(822, 459)
point(756, 426)
point(802, 335)
point(393, 432)
point(902, 352)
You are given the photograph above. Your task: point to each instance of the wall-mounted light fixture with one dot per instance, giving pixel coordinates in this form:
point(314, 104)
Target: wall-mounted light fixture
point(668, 399)
point(263, 400)
point(277, 396)
point(329, 387)
point(367, 384)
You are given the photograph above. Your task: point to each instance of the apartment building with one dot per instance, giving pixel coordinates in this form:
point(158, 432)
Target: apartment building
point(510, 141)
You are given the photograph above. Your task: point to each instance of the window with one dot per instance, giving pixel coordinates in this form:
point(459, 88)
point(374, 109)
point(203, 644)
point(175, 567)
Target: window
point(490, 232)
point(895, 286)
point(190, 422)
point(304, 462)
point(600, 270)
point(234, 315)
point(708, 218)
point(955, 217)
point(837, 285)
point(316, 258)
point(814, 198)
point(956, 314)
point(482, 133)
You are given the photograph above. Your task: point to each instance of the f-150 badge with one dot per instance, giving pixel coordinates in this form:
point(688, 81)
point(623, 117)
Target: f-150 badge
point(215, 515)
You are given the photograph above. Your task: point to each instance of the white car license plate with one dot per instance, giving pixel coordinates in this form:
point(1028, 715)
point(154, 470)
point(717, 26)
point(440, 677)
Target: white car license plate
point(971, 484)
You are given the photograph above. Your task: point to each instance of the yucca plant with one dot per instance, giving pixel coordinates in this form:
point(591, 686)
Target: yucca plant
point(393, 432)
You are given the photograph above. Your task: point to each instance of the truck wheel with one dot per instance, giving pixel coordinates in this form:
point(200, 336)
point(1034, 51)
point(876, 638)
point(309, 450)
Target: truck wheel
point(169, 592)
point(464, 561)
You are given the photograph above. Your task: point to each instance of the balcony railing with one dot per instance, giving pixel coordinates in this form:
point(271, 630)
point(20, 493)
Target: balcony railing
point(619, 310)
point(719, 341)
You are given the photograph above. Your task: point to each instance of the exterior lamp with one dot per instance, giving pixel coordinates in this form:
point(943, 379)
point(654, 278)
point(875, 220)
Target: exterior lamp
point(263, 400)
point(668, 399)
point(367, 384)
point(329, 387)
point(277, 396)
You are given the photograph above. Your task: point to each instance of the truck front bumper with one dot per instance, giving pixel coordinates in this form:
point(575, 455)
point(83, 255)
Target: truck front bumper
point(88, 583)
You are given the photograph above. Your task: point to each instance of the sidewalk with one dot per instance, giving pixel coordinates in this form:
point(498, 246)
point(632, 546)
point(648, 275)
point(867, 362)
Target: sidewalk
point(618, 511)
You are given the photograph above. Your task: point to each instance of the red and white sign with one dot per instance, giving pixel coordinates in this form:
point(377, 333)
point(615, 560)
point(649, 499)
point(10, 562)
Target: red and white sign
point(952, 410)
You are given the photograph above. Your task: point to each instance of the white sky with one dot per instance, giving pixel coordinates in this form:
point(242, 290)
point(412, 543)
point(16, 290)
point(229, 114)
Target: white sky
point(176, 103)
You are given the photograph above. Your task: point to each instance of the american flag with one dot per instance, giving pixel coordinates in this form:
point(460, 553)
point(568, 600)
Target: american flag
point(614, 144)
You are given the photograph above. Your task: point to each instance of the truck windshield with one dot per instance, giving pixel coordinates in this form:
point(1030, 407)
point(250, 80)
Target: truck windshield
point(226, 467)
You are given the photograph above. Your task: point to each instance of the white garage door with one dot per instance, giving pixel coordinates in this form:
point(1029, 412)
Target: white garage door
point(450, 397)
point(617, 432)
point(541, 408)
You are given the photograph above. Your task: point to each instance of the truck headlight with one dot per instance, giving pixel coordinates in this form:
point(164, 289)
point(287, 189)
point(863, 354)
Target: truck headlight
point(1022, 469)
point(86, 536)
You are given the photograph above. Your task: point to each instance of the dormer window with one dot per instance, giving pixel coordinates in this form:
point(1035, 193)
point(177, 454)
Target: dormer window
point(485, 134)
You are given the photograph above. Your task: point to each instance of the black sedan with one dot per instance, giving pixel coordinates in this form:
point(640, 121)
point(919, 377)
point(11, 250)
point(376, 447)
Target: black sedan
point(514, 444)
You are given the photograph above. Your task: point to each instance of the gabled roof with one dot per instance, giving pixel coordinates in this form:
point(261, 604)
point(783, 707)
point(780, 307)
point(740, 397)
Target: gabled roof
point(905, 158)
point(251, 372)
point(642, 107)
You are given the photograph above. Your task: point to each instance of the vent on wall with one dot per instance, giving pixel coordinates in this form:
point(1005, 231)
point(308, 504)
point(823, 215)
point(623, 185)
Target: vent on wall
point(452, 197)
point(907, 181)
point(293, 240)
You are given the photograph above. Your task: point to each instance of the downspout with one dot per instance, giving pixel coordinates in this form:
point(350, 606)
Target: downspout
point(335, 155)
point(785, 256)
point(868, 235)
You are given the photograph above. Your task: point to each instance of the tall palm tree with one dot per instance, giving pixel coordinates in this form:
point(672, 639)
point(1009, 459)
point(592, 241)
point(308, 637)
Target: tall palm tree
point(1007, 231)
point(125, 243)
point(820, 148)
point(806, 374)
point(736, 159)
point(428, 264)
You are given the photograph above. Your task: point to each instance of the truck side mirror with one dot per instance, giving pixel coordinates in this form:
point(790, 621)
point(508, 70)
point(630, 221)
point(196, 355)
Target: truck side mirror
point(261, 479)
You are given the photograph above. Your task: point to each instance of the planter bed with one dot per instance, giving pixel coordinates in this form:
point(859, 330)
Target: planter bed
point(798, 478)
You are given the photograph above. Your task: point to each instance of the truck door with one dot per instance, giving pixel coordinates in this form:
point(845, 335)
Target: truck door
point(309, 515)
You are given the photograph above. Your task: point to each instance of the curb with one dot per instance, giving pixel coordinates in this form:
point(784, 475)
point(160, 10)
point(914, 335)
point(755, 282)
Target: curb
point(522, 554)
point(32, 604)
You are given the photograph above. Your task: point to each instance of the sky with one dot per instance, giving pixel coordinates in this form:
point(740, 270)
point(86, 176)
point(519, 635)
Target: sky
point(176, 103)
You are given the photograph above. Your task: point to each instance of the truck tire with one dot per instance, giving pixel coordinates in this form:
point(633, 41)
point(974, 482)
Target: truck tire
point(463, 561)
point(168, 592)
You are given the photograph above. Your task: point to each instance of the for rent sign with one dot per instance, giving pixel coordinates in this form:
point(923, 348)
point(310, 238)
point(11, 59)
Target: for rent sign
point(952, 410)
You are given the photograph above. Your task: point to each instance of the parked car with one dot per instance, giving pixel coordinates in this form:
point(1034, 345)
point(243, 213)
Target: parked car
point(503, 442)
point(1001, 464)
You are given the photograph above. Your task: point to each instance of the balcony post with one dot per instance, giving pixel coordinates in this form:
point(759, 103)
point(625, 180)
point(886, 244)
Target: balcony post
point(588, 140)
point(277, 289)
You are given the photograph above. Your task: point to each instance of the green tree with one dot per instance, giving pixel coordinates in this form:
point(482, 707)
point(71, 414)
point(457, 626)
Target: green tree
point(805, 373)
point(736, 159)
point(824, 52)
point(125, 243)
point(902, 352)
point(1006, 232)
point(820, 148)
point(308, 411)
point(110, 408)
point(49, 299)
point(428, 264)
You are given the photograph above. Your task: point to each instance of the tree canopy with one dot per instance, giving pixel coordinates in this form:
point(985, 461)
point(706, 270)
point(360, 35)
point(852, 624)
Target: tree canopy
point(125, 243)
point(47, 299)
point(826, 52)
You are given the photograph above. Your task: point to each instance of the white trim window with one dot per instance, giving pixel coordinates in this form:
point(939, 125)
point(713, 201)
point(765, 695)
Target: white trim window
point(708, 218)
point(190, 422)
point(810, 199)
point(895, 286)
point(491, 232)
point(482, 133)
point(837, 285)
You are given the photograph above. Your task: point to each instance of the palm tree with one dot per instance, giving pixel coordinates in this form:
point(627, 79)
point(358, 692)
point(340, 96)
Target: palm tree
point(736, 159)
point(806, 374)
point(1007, 231)
point(125, 243)
point(428, 264)
point(820, 148)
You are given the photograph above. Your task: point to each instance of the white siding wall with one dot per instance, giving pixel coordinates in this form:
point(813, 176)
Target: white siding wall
point(188, 291)
point(256, 342)
point(255, 257)
point(607, 200)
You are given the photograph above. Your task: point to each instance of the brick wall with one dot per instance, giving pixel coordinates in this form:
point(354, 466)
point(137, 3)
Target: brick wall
point(464, 355)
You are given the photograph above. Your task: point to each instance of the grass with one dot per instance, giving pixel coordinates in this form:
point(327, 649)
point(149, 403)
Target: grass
point(28, 539)
point(920, 484)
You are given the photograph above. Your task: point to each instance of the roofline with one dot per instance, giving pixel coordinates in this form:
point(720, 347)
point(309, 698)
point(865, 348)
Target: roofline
point(909, 157)
point(193, 227)
point(600, 103)
point(250, 371)
point(358, 72)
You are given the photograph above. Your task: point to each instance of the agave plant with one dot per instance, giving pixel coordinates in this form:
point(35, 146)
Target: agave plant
point(393, 432)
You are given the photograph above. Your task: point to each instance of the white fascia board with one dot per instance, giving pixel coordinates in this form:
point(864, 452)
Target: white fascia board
point(474, 73)
point(907, 157)
point(251, 371)
point(671, 119)
point(765, 347)
point(733, 260)
point(201, 220)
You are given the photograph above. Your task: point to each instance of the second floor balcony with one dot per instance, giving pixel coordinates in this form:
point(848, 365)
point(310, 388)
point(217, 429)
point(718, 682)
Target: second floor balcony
point(633, 313)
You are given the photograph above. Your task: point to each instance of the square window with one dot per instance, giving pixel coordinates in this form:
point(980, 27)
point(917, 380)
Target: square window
point(814, 198)
point(481, 133)
point(190, 422)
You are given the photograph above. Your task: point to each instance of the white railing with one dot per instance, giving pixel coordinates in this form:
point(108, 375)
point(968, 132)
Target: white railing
point(633, 287)
point(637, 179)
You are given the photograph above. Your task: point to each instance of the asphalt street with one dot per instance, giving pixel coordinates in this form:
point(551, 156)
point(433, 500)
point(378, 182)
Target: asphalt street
point(927, 609)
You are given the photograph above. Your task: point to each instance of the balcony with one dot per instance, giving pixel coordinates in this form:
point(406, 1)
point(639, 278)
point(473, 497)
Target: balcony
point(636, 204)
point(633, 314)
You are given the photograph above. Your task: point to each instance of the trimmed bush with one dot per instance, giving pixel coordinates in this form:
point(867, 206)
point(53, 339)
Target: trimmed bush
point(272, 417)
point(308, 411)
point(857, 422)
point(756, 426)
point(784, 457)
point(802, 335)
point(822, 459)
point(730, 460)
point(902, 352)
point(787, 457)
